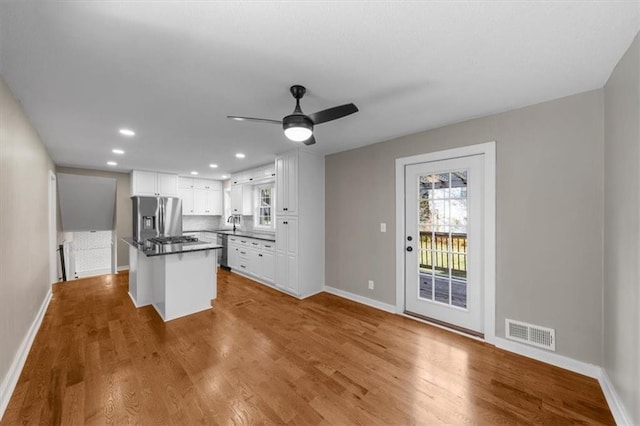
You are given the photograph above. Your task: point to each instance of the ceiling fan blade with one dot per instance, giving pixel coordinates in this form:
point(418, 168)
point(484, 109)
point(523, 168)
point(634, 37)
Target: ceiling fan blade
point(260, 120)
point(333, 113)
point(310, 141)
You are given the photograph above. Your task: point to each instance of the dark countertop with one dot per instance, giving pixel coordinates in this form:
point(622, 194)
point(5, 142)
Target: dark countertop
point(256, 235)
point(152, 249)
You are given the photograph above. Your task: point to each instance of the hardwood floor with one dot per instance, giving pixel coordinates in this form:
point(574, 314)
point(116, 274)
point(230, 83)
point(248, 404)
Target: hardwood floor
point(260, 356)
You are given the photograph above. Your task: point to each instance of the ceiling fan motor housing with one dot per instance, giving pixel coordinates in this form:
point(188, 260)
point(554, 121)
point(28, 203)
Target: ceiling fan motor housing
point(297, 120)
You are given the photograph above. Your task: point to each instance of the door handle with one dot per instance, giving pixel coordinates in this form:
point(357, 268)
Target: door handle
point(409, 248)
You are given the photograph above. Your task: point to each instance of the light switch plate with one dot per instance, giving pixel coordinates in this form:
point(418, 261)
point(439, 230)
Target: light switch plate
point(383, 227)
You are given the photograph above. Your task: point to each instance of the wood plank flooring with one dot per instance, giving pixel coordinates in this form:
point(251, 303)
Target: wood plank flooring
point(261, 357)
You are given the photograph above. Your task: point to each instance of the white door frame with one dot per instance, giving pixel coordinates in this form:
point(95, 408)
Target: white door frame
point(53, 231)
point(488, 150)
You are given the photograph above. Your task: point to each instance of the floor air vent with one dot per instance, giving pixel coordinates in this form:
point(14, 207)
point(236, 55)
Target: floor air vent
point(535, 335)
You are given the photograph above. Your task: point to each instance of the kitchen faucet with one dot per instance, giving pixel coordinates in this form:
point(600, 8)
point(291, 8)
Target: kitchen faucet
point(234, 218)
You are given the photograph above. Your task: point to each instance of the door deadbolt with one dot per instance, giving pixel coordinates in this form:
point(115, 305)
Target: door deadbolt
point(409, 238)
point(409, 248)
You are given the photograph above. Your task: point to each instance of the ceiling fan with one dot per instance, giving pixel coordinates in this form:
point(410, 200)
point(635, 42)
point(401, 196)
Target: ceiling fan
point(297, 126)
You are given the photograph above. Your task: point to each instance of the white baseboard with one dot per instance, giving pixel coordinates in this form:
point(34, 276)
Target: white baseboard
point(313, 293)
point(11, 379)
point(620, 414)
point(123, 268)
point(361, 299)
point(552, 358)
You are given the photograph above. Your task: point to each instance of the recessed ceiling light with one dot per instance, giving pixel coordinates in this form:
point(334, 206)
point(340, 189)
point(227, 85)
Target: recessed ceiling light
point(225, 177)
point(117, 151)
point(213, 166)
point(127, 132)
point(112, 163)
point(194, 173)
point(240, 155)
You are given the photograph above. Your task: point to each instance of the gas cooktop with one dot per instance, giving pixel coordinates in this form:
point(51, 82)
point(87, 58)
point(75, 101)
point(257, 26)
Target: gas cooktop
point(180, 239)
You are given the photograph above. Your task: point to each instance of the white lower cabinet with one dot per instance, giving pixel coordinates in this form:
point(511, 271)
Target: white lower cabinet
point(268, 261)
point(254, 258)
point(232, 255)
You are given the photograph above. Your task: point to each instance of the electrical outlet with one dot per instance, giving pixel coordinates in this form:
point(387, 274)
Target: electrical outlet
point(370, 285)
point(383, 227)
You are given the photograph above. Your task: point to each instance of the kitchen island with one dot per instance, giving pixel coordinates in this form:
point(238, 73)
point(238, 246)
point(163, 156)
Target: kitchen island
point(177, 279)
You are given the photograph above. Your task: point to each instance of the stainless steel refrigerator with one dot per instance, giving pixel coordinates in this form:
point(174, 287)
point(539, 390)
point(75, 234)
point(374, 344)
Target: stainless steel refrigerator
point(156, 217)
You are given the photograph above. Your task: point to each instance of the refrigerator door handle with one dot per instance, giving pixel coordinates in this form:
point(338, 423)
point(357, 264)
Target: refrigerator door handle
point(161, 218)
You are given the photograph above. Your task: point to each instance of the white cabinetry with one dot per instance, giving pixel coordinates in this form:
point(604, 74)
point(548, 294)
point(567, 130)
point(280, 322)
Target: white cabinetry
point(154, 184)
point(252, 257)
point(287, 254)
point(200, 197)
point(287, 184)
point(186, 194)
point(299, 223)
point(241, 200)
point(254, 176)
point(233, 249)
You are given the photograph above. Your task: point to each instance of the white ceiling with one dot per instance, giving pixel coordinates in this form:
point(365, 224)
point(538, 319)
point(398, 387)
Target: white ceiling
point(173, 71)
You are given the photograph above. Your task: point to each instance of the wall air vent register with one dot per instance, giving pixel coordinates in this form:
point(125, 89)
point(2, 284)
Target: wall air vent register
point(530, 334)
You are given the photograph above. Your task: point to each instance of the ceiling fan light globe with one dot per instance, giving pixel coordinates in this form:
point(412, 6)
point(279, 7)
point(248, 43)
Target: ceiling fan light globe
point(298, 134)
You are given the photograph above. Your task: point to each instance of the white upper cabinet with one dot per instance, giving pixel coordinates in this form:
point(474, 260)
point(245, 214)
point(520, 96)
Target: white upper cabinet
point(186, 194)
point(241, 200)
point(254, 176)
point(200, 197)
point(185, 182)
point(207, 184)
point(154, 184)
point(167, 185)
point(287, 184)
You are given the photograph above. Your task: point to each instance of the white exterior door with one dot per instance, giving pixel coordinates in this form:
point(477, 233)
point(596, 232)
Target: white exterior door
point(444, 240)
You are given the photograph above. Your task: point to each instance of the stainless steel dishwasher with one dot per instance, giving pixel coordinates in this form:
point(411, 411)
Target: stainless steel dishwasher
point(223, 261)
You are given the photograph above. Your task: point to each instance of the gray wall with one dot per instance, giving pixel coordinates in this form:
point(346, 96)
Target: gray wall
point(124, 220)
point(87, 203)
point(24, 256)
point(549, 215)
point(622, 229)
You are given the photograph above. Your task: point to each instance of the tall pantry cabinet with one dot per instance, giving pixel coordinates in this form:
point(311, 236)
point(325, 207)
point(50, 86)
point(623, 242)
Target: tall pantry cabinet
point(300, 223)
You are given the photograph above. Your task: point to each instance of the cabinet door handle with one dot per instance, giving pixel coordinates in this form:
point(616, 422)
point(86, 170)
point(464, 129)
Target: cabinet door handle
point(285, 222)
point(259, 255)
point(255, 244)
